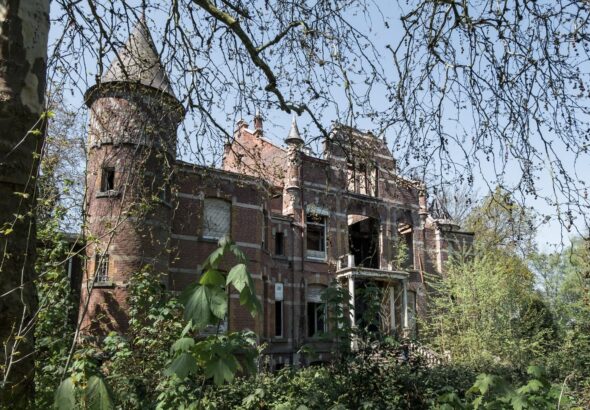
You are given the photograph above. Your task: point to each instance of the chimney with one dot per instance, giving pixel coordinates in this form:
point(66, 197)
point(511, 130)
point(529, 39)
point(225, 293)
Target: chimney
point(258, 123)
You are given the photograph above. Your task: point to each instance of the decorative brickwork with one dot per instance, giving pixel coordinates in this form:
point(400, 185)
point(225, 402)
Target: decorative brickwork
point(374, 223)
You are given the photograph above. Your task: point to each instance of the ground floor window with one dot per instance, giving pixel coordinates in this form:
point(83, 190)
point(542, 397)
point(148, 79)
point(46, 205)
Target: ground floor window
point(279, 318)
point(316, 319)
point(316, 311)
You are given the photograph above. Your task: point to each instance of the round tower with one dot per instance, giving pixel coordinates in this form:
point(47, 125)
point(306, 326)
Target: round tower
point(133, 118)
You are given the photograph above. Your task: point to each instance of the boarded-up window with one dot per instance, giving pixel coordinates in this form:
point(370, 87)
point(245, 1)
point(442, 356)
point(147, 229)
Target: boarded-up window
point(217, 218)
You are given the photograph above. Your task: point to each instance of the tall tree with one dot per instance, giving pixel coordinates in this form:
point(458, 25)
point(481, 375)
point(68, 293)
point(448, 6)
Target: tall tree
point(24, 28)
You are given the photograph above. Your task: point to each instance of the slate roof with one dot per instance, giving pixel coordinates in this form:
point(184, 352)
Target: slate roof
point(138, 62)
point(294, 136)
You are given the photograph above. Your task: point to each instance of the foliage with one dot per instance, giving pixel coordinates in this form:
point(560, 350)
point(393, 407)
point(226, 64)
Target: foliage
point(372, 378)
point(149, 366)
point(485, 311)
point(500, 222)
point(206, 303)
point(495, 392)
point(56, 316)
point(54, 328)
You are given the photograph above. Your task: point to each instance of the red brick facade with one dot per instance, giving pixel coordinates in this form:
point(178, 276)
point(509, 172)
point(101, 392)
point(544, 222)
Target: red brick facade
point(318, 210)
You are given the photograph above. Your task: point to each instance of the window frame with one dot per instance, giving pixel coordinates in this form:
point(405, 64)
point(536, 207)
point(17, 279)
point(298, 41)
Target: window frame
point(204, 229)
point(279, 319)
point(107, 179)
point(316, 254)
point(362, 179)
point(281, 242)
point(101, 263)
point(313, 322)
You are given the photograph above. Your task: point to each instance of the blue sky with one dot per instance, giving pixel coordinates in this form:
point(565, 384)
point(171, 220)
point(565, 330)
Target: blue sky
point(277, 122)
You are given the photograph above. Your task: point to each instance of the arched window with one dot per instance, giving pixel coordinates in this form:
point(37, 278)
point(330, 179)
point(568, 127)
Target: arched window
point(216, 218)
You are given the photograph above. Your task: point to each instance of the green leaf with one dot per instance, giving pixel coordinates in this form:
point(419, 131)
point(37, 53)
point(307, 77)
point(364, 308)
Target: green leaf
point(218, 302)
point(197, 307)
point(183, 365)
point(518, 402)
point(65, 398)
point(536, 371)
point(224, 242)
point(212, 260)
point(187, 328)
point(238, 253)
point(183, 345)
point(483, 382)
point(250, 301)
point(238, 276)
point(221, 369)
point(98, 395)
point(212, 277)
point(532, 386)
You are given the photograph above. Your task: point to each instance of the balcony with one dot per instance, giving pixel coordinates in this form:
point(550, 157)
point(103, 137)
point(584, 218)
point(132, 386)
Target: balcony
point(392, 317)
point(346, 268)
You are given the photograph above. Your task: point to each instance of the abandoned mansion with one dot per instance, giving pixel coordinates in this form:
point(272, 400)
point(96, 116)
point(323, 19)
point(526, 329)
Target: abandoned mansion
point(303, 222)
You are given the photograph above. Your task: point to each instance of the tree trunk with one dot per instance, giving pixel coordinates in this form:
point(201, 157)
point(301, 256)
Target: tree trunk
point(24, 27)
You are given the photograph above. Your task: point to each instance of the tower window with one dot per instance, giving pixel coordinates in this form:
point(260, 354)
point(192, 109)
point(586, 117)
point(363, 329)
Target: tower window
point(316, 236)
point(101, 267)
point(107, 182)
point(279, 243)
point(216, 221)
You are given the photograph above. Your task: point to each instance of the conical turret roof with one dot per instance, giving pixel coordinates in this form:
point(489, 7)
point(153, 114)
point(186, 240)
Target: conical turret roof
point(294, 137)
point(137, 61)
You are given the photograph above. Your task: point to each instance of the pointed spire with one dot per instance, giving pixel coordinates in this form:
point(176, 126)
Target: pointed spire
point(294, 137)
point(137, 61)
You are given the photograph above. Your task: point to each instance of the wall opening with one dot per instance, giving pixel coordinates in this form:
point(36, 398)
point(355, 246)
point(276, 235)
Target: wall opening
point(363, 238)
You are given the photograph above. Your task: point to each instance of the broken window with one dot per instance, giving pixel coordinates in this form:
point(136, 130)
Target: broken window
point(316, 311)
point(411, 309)
point(279, 243)
point(101, 267)
point(107, 181)
point(316, 236)
point(216, 218)
point(264, 230)
point(362, 179)
point(406, 242)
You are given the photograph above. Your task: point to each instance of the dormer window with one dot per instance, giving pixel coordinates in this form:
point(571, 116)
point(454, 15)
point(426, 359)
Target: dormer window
point(362, 179)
